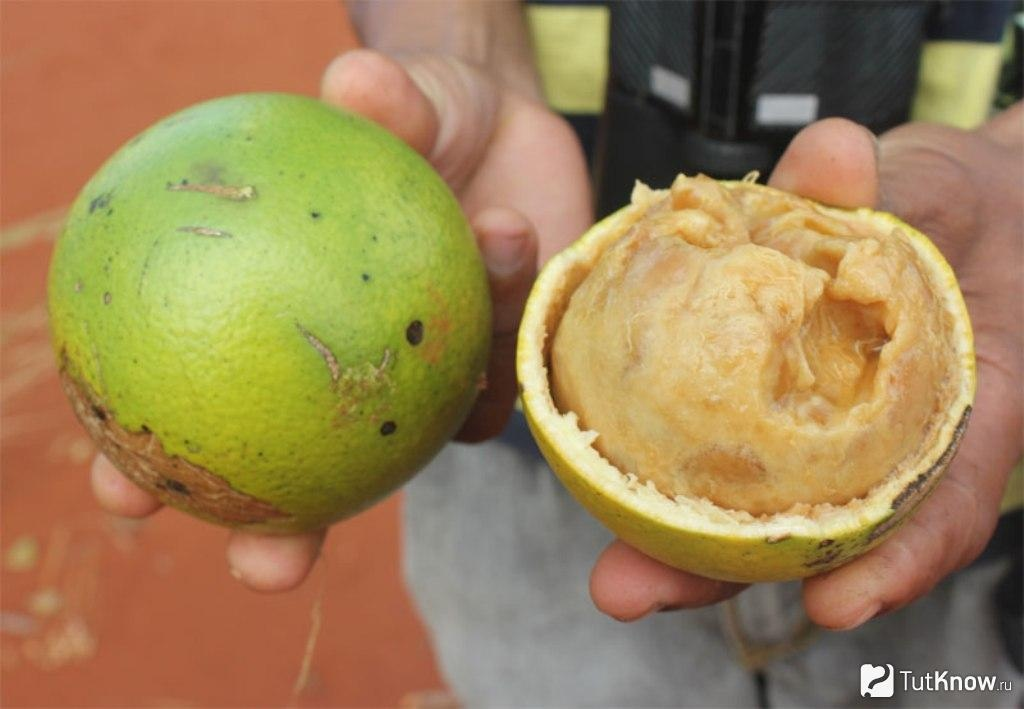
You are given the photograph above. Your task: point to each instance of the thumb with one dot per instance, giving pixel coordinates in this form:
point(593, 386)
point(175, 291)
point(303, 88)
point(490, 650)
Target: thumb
point(832, 161)
point(508, 243)
point(443, 108)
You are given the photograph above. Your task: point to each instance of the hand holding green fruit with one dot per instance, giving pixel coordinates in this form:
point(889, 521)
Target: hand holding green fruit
point(509, 152)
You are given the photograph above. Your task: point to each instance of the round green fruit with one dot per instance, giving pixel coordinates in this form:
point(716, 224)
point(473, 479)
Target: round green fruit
point(269, 313)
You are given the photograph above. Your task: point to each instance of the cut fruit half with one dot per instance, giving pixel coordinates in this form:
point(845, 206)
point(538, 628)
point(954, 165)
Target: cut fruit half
point(746, 384)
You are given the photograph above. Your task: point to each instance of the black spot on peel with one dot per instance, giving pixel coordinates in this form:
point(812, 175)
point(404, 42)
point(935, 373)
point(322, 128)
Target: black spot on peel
point(176, 486)
point(414, 333)
point(99, 413)
point(388, 427)
point(100, 202)
point(824, 560)
point(366, 278)
point(315, 215)
point(145, 429)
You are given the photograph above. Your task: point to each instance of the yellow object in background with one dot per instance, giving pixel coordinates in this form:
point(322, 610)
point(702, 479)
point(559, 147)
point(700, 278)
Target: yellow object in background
point(570, 45)
point(957, 83)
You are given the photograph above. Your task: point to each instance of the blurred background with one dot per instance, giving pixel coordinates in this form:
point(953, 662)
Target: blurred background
point(102, 612)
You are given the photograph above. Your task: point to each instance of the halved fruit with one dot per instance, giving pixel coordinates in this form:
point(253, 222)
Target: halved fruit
point(746, 384)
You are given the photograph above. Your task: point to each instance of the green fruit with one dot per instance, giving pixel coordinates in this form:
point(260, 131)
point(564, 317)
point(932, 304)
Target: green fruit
point(269, 313)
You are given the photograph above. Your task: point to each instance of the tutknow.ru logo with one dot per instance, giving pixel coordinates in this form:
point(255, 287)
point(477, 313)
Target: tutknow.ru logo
point(880, 681)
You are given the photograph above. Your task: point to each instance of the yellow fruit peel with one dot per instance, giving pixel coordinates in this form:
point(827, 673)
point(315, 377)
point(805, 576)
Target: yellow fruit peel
point(691, 532)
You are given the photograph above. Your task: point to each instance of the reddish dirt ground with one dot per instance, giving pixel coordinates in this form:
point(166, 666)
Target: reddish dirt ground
point(100, 612)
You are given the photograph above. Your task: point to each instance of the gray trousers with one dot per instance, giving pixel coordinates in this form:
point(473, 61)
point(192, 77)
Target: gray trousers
point(497, 557)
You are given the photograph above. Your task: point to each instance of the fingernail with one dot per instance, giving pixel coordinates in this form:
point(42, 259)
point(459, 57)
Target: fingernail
point(505, 254)
point(868, 613)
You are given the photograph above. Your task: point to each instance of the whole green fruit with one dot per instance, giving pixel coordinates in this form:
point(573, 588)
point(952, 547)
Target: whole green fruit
point(269, 313)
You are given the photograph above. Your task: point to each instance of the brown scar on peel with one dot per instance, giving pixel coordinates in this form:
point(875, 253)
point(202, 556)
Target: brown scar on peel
point(141, 457)
point(235, 193)
point(355, 384)
point(324, 351)
point(206, 231)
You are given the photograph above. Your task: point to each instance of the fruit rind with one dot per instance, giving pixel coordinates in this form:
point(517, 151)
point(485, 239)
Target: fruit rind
point(237, 283)
point(694, 534)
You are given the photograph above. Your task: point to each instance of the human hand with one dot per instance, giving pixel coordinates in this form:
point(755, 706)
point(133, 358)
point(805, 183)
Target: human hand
point(964, 190)
point(518, 173)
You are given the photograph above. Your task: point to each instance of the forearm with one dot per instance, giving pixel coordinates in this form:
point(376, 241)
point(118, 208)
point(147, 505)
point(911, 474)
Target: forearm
point(490, 35)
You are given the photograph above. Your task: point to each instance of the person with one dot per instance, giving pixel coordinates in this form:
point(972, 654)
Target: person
point(497, 554)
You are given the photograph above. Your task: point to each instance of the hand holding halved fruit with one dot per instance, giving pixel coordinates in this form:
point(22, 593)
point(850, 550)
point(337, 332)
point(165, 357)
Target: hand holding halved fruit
point(964, 190)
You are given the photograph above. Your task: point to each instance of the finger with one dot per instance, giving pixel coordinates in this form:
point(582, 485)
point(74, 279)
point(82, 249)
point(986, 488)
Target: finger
point(947, 532)
point(832, 161)
point(117, 494)
point(272, 564)
point(379, 88)
point(508, 244)
point(628, 585)
point(441, 107)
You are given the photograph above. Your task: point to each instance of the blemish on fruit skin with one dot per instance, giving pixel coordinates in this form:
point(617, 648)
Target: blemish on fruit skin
point(324, 351)
point(912, 491)
point(360, 383)
point(142, 458)
point(235, 193)
point(414, 333)
point(440, 327)
point(315, 215)
point(824, 560)
point(776, 538)
point(826, 543)
point(107, 298)
point(176, 486)
point(366, 278)
point(78, 286)
point(210, 172)
point(145, 267)
point(206, 231)
point(100, 202)
point(388, 427)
